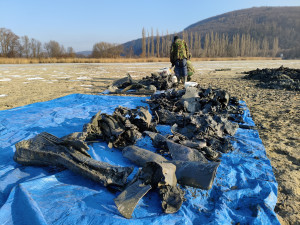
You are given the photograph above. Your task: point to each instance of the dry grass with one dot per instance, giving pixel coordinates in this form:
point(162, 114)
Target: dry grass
point(114, 60)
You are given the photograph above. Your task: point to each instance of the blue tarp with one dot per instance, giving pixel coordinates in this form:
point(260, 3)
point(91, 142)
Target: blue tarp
point(245, 189)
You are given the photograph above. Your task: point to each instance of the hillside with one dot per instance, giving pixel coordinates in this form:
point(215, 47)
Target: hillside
point(258, 23)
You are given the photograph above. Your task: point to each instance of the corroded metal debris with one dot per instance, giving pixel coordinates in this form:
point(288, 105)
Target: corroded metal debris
point(280, 78)
point(199, 115)
point(201, 121)
point(48, 150)
point(148, 84)
point(153, 175)
point(120, 129)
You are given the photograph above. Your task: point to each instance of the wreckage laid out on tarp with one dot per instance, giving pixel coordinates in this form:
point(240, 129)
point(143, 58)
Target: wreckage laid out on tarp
point(146, 86)
point(45, 195)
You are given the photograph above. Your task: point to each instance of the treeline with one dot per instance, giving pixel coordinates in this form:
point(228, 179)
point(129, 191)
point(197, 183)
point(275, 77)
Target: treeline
point(211, 45)
point(13, 46)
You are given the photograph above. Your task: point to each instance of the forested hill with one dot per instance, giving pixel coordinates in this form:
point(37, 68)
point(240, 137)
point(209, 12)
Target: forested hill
point(265, 31)
point(270, 22)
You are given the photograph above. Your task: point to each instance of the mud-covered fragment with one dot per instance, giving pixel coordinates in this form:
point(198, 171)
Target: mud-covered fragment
point(196, 174)
point(122, 83)
point(158, 140)
point(172, 198)
point(92, 128)
point(141, 156)
point(48, 150)
point(184, 153)
point(159, 175)
point(129, 198)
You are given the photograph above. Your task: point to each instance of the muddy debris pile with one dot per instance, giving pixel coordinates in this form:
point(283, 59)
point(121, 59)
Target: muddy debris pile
point(147, 85)
point(199, 118)
point(70, 152)
point(201, 121)
point(124, 127)
point(281, 78)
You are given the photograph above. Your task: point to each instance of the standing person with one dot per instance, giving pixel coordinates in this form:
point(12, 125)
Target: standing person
point(178, 57)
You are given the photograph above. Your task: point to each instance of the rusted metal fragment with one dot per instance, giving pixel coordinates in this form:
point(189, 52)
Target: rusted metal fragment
point(129, 198)
point(196, 174)
point(48, 150)
point(184, 153)
point(140, 156)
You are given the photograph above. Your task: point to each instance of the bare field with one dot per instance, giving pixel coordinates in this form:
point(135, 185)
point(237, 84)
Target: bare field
point(275, 112)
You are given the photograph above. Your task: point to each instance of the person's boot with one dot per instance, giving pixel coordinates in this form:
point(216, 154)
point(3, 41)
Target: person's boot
point(185, 79)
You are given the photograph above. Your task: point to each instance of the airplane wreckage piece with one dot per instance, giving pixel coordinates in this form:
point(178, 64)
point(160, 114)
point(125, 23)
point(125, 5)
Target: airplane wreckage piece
point(198, 174)
point(195, 101)
point(120, 129)
point(148, 84)
point(48, 150)
point(200, 119)
point(153, 175)
point(196, 149)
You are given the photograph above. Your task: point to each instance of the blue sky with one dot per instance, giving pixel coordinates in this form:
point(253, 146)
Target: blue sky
point(82, 23)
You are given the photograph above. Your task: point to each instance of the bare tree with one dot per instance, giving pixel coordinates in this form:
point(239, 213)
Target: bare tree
point(9, 43)
point(143, 55)
point(275, 46)
point(152, 43)
point(70, 52)
point(25, 46)
point(148, 45)
point(53, 49)
point(157, 43)
point(265, 47)
point(106, 50)
point(206, 45)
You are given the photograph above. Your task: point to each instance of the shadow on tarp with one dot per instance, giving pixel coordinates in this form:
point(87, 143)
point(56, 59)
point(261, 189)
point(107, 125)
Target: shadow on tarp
point(244, 191)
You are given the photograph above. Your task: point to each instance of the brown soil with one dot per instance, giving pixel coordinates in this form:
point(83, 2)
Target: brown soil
point(275, 112)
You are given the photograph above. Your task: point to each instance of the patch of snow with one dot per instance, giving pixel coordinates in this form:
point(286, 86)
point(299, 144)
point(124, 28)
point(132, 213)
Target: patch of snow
point(5, 79)
point(15, 76)
point(83, 78)
point(35, 78)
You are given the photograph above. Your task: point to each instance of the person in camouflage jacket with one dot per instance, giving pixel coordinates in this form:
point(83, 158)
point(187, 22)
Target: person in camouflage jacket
point(178, 57)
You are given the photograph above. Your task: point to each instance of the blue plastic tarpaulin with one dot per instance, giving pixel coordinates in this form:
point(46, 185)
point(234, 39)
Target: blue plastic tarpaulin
point(244, 190)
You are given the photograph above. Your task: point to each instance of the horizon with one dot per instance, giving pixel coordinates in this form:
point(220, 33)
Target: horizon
point(80, 26)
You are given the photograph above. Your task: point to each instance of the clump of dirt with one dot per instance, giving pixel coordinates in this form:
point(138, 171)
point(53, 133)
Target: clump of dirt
point(281, 78)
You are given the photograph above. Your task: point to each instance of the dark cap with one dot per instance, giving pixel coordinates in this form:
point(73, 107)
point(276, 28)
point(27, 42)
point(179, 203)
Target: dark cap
point(175, 37)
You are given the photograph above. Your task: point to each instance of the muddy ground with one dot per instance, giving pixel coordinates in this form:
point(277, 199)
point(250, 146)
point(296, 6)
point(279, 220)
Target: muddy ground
point(275, 112)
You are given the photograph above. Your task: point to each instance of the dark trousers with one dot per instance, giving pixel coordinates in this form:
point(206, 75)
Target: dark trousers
point(181, 68)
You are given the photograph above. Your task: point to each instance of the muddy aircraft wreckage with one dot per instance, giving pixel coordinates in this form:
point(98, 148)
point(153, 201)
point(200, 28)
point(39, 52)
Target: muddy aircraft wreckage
point(202, 122)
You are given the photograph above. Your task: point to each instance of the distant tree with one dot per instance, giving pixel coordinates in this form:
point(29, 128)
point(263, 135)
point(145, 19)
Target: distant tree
point(143, 55)
point(148, 45)
point(265, 47)
point(243, 45)
point(206, 45)
point(70, 52)
point(152, 43)
point(25, 46)
point(9, 43)
point(162, 52)
point(53, 49)
point(275, 46)
point(191, 41)
point(106, 50)
point(36, 48)
point(157, 43)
